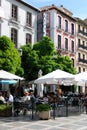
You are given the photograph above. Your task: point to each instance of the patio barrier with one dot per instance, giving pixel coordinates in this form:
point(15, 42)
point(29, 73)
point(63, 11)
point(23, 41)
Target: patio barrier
point(66, 107)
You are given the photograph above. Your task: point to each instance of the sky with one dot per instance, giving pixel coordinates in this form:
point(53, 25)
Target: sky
point(77, 7)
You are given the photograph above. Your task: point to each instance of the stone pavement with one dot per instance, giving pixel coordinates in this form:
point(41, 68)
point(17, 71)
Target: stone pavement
point(76, 122)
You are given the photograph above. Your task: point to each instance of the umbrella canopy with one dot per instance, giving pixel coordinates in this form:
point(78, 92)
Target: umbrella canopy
point(7, 75)
point(8, 82)
point(81, 76)
point(54, 77)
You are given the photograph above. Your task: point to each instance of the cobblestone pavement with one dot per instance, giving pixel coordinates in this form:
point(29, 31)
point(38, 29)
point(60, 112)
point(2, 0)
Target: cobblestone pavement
point(77, 122)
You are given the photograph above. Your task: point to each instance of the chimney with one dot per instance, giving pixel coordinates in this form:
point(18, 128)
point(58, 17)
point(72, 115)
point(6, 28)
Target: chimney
point(61, 5)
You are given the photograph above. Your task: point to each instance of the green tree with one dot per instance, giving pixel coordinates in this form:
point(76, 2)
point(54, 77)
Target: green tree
point(41, 56)
point(47, 64)
point(9, 56)
point(44, 47)
point(29, 62)
point(65, 63)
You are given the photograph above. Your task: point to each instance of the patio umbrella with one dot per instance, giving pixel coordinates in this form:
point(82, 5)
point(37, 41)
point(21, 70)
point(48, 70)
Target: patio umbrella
point(8, 75)
point(81, 76)
point(54, 77)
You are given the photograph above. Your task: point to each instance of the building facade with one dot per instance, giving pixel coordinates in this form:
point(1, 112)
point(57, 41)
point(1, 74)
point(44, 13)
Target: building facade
point(18, 21)
point(60, 26)
point(81, 40)
point(24, 23)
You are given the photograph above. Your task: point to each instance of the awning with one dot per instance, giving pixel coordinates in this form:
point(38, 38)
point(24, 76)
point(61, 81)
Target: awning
point(8, 81)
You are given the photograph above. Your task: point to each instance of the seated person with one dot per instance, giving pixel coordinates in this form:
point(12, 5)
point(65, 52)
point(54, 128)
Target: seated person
point(45, 98)
point(26, 96)
point(10, 97)
point(2, 99)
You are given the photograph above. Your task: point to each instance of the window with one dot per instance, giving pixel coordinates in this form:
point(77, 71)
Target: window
point(83, 29)
point(73, 62)
point(83, 57)
point(28, 38)
point(83, 69)
point(72, 46)
point(59, 22)
point(79, 69)
point(59, 42)
point(83, 43)
point(79, 42)
point(66, 44)
point(79, 55)
point(14, 36)
point(72, 29)
point(66, 26)
point(14, 12)
point(28, 19)
point(78, 28)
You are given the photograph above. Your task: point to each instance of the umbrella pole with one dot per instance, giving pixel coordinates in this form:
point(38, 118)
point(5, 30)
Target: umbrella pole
point(19, 88)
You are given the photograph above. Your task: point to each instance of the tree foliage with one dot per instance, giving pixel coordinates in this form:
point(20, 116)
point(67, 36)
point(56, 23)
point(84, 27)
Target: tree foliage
point(9, 56)
point(65, 63)
point(41, 56)
point(29, 62)
point(44, 47)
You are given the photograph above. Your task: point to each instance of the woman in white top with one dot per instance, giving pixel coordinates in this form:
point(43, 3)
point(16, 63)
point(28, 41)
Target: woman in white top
point(45, 98)
point(2, 98)
point(10, 97)
point(26, 96)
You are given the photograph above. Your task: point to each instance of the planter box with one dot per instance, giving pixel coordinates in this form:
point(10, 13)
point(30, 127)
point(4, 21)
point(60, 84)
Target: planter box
point(44, 115)
point(5, 111)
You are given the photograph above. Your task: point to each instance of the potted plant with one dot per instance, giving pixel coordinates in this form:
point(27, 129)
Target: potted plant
point(5, 110)
point(44, 111)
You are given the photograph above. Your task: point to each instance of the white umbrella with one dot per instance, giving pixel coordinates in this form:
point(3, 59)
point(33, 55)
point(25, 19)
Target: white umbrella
point(81, 76)
point(7, 75)
point(54, 77)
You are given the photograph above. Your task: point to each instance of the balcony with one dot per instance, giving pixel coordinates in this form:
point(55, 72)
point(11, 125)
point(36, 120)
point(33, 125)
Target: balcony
point(82, 46)
point(82, 33)
point(72, 52)
point(59, 28)
point(82, 61)
point(28, 26)
point(64, 50)
point(15, 20)
point(67, 32)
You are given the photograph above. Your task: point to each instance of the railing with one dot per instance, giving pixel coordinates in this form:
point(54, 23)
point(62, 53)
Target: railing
point(15, 20)
point(82, 46)
point(82, 60)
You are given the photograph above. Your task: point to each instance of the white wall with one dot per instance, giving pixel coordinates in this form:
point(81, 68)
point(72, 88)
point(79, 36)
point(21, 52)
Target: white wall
point(6, 25)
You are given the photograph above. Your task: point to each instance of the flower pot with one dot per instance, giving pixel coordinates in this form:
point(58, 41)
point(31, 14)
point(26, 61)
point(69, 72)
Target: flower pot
point(44, 115)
